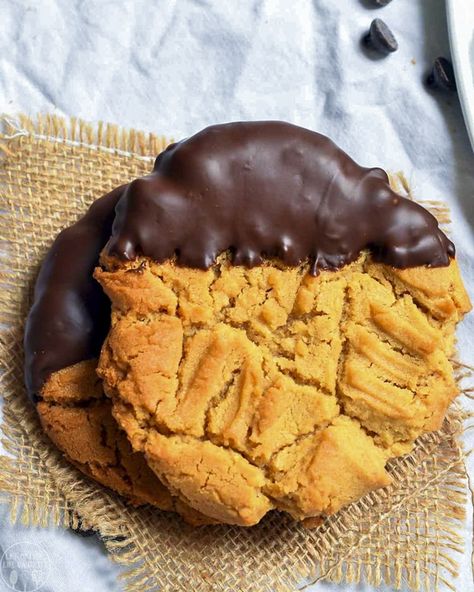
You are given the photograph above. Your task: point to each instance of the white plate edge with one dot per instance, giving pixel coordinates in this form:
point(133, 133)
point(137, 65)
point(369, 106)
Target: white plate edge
point(459, 63)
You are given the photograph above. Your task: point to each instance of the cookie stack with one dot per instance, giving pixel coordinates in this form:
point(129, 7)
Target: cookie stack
point(258, 324)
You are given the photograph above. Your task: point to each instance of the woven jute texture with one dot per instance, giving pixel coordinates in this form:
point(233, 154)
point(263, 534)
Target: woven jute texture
point(406, 536)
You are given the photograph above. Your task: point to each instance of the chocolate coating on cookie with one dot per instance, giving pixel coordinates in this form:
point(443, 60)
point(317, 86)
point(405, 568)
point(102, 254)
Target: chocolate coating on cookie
point(270, 189)
point(70, 315)
point(261, 189)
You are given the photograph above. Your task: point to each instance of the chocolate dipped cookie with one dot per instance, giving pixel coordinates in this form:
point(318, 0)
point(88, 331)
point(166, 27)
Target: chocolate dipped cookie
point(276, 324)
point(65, 329)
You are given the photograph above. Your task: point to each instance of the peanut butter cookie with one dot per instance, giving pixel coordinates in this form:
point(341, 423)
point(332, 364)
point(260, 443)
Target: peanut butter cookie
point(278, 323)
point(77, 417)
point(253, 389)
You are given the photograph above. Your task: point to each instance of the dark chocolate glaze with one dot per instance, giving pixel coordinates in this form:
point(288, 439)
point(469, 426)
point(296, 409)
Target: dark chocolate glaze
point(263, 189)
point(70, 315)
point(270, 189)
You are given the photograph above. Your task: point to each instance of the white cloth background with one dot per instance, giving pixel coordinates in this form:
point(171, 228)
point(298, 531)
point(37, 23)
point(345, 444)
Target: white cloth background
point(175, 66)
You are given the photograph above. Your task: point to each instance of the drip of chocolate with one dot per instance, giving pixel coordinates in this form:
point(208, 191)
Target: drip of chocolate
point(263, 189)
point(70, 316)
point(270, 189)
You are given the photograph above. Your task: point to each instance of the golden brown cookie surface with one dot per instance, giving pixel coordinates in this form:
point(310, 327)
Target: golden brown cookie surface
point(77, 417)
point(253, 389)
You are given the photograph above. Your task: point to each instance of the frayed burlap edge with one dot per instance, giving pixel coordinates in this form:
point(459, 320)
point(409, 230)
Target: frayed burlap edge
point(404, 536)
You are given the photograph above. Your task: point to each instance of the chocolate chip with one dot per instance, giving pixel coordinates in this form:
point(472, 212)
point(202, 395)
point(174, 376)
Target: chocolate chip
point(380, 37)
point(381, 3)
point(442, 75)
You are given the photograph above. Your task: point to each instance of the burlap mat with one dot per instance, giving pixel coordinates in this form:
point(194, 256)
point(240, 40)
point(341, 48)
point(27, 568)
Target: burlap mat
point(406, 535)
